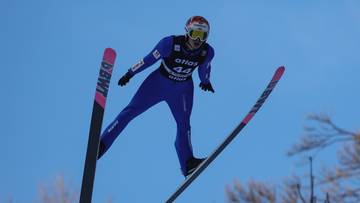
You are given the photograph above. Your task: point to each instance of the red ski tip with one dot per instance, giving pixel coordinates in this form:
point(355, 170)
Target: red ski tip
point(281, 68)
point(279, 72)
point(109, 55)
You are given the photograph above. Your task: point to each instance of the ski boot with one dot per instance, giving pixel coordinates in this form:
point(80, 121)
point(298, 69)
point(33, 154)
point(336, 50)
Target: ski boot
point(192, 164)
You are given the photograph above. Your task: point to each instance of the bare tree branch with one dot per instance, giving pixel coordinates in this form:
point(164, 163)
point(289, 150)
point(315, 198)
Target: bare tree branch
point(339, 183)
point(256, 192)
point(342, 181)
point(326, 134)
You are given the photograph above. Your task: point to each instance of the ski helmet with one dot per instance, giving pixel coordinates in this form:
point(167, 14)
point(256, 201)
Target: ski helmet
point(197, 27)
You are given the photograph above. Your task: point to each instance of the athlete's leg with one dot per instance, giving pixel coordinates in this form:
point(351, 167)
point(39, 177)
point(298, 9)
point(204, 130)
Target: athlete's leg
point(181, 104)
point(147, 95)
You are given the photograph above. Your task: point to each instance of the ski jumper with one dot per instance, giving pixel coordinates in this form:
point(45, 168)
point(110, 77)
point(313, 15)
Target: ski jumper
point(172, 83)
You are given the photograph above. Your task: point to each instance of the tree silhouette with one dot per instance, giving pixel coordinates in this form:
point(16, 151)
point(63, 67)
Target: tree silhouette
point(339, 183)
point(59, 192)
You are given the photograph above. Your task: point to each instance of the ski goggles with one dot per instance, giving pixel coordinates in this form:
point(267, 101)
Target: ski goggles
point(198, 34)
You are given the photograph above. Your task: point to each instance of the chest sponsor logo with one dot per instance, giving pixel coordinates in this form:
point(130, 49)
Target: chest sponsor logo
point(186, 62)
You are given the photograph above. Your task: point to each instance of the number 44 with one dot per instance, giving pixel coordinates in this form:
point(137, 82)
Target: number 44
point(180, 69)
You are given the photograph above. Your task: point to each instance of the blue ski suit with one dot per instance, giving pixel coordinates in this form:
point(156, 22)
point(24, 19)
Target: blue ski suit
point(172, 83)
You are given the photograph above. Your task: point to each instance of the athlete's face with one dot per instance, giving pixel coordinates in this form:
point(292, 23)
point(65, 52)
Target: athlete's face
point(194, 44)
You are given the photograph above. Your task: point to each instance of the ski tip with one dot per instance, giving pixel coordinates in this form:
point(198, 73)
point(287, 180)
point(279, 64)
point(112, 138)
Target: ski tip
point(110, 55)
point(281, 68)
point(279, 72)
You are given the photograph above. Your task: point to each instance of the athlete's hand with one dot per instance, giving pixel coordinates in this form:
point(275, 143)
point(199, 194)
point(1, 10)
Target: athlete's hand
point(125, 79)
point(207, 87)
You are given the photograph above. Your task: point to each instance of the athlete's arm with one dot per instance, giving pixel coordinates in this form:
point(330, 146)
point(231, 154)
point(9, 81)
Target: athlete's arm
point(161, 50)
point(205, 68)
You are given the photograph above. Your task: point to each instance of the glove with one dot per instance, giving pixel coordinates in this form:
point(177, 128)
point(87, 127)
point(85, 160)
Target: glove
point(207, 87)
point(125, 79)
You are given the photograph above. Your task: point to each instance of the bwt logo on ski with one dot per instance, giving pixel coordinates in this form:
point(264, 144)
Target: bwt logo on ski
point(263, 97)
point(104, 78)
point(186, 62)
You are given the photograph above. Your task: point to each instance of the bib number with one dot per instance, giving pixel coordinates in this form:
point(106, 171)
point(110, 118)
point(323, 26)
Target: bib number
point(180, 69)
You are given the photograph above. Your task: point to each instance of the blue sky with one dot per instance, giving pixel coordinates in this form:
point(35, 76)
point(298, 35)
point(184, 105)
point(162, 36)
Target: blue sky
point(50, 54)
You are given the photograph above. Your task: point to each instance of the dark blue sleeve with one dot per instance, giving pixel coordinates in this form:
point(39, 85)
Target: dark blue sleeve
point(205, 68)
point(161, 50)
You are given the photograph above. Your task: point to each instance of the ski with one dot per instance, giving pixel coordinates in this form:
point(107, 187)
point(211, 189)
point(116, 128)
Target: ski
point(101, 92)
point(276, 77)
